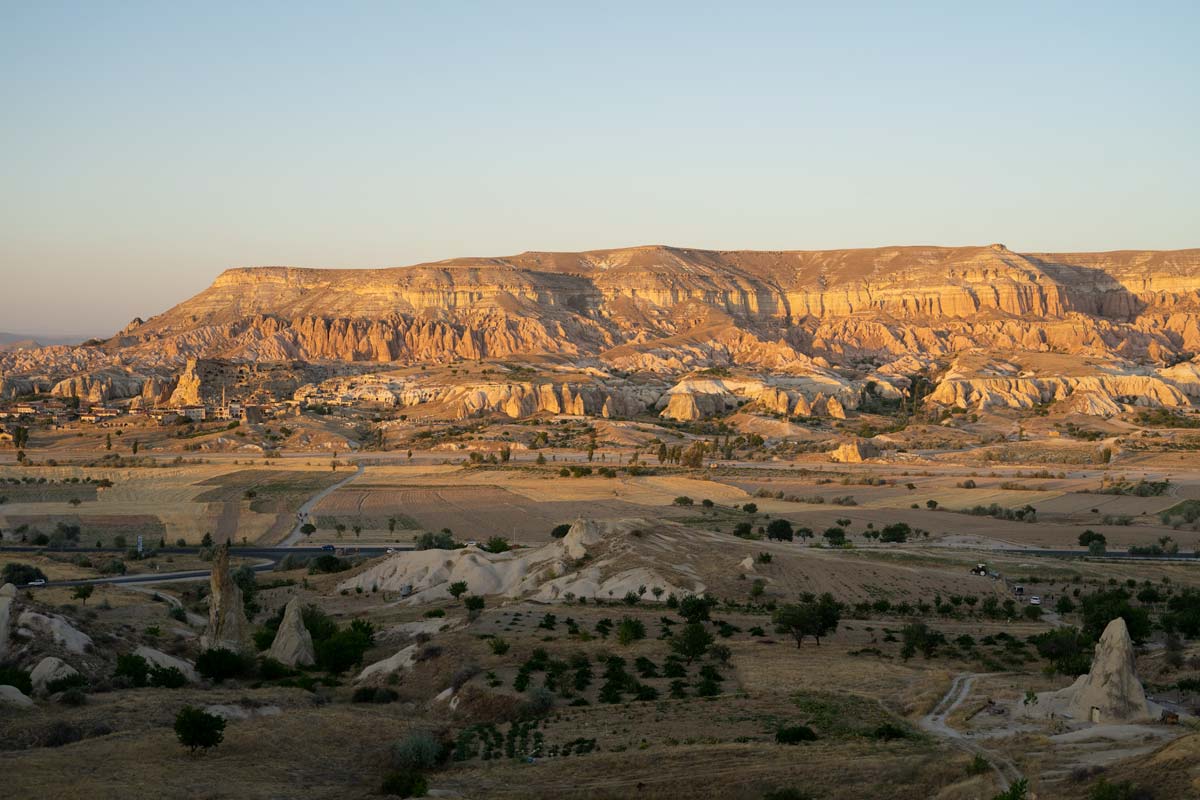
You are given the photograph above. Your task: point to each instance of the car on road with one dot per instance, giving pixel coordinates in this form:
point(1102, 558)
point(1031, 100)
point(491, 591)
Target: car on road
point(37, 582)
point(391, 550)
point(1036, 600)
point(328, 548)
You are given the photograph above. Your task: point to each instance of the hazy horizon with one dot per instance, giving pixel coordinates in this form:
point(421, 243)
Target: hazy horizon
point(155, 148)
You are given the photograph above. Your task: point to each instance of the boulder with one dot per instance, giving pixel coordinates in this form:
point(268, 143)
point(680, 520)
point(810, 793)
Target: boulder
point(49, 670)
point(8, 598)
point(854, 452)
point(158, 658)
point(228, 627)
point(293, 644)
point(12, 696)
point(62, 632)
point(404, 659)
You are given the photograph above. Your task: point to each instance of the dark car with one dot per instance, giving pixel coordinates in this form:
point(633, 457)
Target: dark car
point(328, 548)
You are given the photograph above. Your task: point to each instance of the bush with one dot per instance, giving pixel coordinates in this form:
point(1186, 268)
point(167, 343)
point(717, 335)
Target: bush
point(787, 794)
point(435, 541)
point(133, 667)
point(498, 645)
point(327, 563)
point(197, 729)
point(405, 783)
point(496, 544)
point(780, 529)
point(19, 574)
point(795, 734)
point(419, 750)
point(1125, 790)
point(219, 664)
point(978, 766)
point(371, 694)
point(11, 676)
point(344, 649)
point(630, 630)
point(560, 531)
point(167, 677)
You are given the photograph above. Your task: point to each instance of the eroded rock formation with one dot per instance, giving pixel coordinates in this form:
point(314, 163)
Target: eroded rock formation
point(227, 624)
point(293, 644)
point(666, 312)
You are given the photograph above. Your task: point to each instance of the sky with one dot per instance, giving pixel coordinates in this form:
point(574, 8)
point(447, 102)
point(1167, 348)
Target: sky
point(146, 147)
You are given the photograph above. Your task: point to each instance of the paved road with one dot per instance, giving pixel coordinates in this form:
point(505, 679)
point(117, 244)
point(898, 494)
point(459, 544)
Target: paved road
point(268, 558)
point(302, 514)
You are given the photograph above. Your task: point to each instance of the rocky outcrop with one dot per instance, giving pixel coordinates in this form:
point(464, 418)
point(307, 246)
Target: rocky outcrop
point(12, 697)
point(8, 598)
point(854, 452)
point(700, 397)
point(663, 311)
point(293, 644)
point(1110, 694)
point(60, 631)
point(403, 659)
point(48, 671)
point(160, 659)
point(228, 627)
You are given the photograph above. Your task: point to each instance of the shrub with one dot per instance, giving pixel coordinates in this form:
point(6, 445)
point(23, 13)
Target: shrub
point(498, 645)
point(219, 664)
point(780, 529)
point(372, 694)
point(416, 751)
point(133, 667)
point(630, 630)
point(435, 541)
point(560, 531)
point(405, 783)
point(12, 676)
point(795, 734)
point(197, 729)
point(167, 677)
point(344, 649)
point(496, 544)
point(19, 574)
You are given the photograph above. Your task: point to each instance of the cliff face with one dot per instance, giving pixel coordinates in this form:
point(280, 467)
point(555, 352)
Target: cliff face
point(664, 308)
point(655, 309)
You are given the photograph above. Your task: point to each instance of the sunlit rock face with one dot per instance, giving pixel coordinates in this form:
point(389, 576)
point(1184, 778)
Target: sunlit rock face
point(667, 312)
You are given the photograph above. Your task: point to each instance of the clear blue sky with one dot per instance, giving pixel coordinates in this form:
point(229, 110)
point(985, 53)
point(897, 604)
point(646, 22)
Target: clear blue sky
point(148, 146)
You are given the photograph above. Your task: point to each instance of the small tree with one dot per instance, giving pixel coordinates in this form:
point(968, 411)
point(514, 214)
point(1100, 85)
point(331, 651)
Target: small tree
point(692, 641)
point(780, 529)
point(83, 592)
point(474, 603)
point(629, 630)
point(458, 589)
point(197, 729)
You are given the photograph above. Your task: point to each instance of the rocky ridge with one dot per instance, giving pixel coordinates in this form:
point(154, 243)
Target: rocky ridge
point(664, 312)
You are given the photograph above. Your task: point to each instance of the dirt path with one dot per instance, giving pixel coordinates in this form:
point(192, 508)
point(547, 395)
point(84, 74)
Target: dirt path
point(297, 535)
point(935, 722)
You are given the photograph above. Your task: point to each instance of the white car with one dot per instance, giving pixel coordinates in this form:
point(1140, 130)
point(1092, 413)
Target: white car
point(391, 550)
point(1035, 600)
point(38, 582)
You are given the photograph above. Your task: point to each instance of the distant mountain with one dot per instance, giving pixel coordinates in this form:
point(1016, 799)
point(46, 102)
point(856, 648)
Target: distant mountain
point(986, 325)
point(29, 341)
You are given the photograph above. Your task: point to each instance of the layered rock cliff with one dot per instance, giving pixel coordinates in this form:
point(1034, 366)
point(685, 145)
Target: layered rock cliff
point(664, 311)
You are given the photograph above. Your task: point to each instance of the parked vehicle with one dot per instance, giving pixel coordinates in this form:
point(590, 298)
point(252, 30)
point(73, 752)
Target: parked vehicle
point(1035, 600)
point(328, 548)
